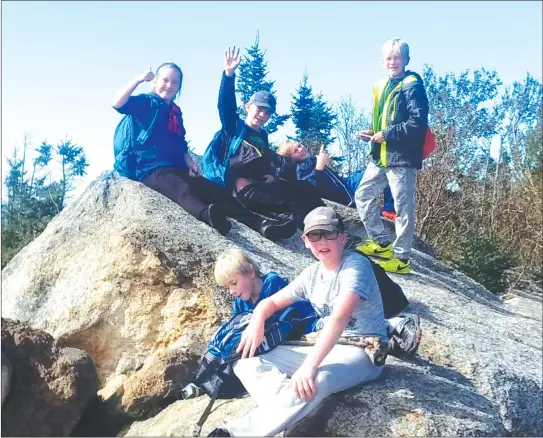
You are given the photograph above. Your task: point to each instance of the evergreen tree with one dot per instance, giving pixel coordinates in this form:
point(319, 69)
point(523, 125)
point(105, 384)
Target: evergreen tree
point(32, 201)
point(252, 77)
point(313, 117)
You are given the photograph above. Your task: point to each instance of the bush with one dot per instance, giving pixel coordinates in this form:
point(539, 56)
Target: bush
point(483, 258)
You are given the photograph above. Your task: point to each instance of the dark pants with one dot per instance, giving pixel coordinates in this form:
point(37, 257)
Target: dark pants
point(292, 198)
point(195, 194)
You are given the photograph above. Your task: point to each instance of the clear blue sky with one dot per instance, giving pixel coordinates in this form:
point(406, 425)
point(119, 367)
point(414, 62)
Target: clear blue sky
point(62, 62)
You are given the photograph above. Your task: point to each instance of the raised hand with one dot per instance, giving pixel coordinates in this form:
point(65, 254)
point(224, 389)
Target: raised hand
point(231, 60)
point(147, 76)
point(322, 159)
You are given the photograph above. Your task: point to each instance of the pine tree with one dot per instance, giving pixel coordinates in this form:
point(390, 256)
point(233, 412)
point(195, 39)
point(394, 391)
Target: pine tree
point(252, 78)
point(313, 117)
point(31, 201)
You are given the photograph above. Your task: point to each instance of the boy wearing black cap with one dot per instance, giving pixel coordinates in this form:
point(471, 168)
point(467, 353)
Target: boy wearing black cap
point(244, 163)
point(292, 381)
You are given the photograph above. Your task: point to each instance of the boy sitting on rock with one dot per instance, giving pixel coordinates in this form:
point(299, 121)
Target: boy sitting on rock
point(292, 381)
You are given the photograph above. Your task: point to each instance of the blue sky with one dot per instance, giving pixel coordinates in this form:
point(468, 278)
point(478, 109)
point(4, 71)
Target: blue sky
point(62, 62)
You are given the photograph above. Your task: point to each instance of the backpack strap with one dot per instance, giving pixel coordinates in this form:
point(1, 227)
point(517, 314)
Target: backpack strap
point(153, 117)
point(198, 426)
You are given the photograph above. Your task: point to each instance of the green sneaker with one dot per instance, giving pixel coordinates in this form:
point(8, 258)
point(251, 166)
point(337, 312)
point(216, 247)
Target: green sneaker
point(372, 248)
point(396, 266)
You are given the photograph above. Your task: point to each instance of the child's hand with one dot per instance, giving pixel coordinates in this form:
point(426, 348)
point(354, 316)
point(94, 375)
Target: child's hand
point(268, 179)
point(231, 60)
point(303, 383)
point(322, 159)
point(194, 170)
point(251, 338)
point(365, 135)
point(378, 138)
point(148, 76)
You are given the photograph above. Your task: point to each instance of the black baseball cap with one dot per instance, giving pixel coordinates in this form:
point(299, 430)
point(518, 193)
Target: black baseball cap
point(264, 98)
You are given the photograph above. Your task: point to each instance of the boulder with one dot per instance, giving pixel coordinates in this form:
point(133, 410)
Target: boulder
point(127, 275)
point(50, 386)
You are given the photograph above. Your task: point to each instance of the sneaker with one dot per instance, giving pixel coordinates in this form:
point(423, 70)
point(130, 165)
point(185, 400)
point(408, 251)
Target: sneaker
point(275, 230)
point(219, 431)
point(215, 217)
point(372, 248)
point(406, 338)
point(390, 215)
point(396, 266)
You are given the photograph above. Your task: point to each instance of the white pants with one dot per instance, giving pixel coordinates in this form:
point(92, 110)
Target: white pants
point(267, 379)
point(402, 186)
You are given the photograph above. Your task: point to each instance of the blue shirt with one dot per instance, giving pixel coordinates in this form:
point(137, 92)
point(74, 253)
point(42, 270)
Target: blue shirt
point(271, 283)
point(164, 148)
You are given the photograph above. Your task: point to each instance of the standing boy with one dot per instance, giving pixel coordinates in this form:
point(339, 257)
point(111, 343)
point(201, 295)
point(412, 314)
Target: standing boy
point(400, 120)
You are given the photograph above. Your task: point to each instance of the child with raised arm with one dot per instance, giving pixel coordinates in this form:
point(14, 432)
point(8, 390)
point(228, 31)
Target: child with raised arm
point(162, 162)
point(290, 382)
point(295, 162)
point(400, 121)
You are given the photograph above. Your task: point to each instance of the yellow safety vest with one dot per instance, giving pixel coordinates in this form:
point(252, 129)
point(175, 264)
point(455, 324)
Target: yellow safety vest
point(378, 89)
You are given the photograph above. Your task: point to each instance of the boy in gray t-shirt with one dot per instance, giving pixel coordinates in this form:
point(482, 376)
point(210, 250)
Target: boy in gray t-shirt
point(290, 382)
point(323, 289)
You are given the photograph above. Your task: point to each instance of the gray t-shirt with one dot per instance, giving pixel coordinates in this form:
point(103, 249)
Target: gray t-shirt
point(323, 289)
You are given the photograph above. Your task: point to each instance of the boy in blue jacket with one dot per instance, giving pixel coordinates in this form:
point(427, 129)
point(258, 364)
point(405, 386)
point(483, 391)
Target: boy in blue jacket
point(295, 162)
point(400, 121)
point(237, 272)
point(239, 157)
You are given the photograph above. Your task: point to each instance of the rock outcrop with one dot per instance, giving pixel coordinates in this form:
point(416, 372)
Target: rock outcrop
point(126, 275)
point(50, 386)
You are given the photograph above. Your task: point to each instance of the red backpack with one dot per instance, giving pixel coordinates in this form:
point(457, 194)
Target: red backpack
point(429, 145)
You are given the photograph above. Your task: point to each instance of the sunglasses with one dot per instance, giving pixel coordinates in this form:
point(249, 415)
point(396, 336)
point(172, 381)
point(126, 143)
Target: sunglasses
point(315, 236)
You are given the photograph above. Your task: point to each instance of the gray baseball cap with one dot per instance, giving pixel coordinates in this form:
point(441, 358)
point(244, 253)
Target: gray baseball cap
point(322, 218)
point(264, 98)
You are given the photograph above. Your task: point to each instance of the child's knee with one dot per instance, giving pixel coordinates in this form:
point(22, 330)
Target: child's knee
point(324, 380)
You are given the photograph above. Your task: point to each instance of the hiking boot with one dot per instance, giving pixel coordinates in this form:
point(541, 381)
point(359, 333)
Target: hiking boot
point(406, 338)
point(219, 431)
point(372, 248)
point(275, 230)
point(390, 215)
point(215, 217)
point(396, 266)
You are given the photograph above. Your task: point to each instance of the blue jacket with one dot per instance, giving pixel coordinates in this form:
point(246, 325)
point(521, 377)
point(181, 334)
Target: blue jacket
point(226, 142)
point(328, 183)
point(272, 283)
point(162, 149)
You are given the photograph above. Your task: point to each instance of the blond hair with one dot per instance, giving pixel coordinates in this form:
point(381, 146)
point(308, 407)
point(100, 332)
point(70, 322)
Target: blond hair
point(396, 47)
point(285, 149)
point(234, 261)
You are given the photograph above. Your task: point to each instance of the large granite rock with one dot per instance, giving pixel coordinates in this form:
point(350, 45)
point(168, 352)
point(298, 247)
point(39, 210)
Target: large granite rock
point(126, 274)
point(50, 385)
